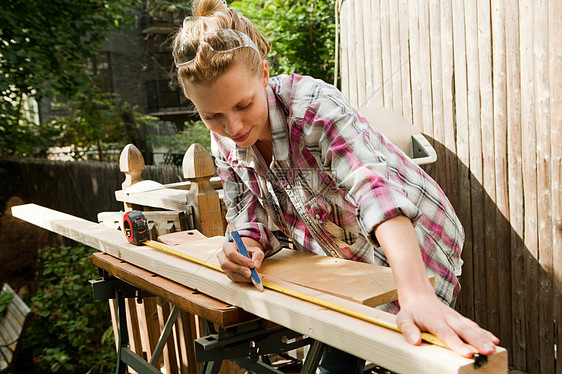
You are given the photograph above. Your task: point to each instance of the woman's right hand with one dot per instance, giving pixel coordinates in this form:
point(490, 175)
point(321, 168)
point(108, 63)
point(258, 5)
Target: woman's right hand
point(237, 266)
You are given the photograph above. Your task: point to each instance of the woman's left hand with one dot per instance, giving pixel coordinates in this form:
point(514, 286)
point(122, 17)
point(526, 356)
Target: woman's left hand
point(426, 312)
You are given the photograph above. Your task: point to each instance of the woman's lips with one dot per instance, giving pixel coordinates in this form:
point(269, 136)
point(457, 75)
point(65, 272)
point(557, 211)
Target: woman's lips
point(241, 138)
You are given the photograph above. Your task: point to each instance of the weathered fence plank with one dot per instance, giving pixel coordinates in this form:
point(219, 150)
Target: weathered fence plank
point(555, 73)
point(544, 219)
point(80, 188)
point(466, 298)
point(500, 165)
point(529, 141)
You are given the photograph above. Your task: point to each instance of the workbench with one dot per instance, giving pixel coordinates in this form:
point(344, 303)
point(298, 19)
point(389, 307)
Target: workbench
point(261, 323)
point(229, 332)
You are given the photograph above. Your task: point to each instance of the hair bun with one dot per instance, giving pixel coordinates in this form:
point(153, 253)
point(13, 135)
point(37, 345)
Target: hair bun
point(205, 8)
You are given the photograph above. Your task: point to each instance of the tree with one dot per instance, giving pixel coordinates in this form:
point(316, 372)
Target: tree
point(301, 33)
point(43, 47)
point(97, 123)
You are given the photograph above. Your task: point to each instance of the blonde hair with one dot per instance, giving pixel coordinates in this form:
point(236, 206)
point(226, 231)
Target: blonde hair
point(209, 16)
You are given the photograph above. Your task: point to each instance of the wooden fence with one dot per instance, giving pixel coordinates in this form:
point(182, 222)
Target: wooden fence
point(483, 81)
point(79, 188)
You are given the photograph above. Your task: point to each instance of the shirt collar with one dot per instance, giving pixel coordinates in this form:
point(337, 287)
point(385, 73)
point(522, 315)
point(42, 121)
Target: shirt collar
point(278, 123)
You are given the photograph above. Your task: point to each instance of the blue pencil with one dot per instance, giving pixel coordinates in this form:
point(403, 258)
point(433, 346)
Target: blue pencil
point(242, 248)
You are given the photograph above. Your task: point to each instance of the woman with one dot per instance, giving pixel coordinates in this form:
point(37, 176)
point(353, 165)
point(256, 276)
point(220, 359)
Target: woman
point(297, 162)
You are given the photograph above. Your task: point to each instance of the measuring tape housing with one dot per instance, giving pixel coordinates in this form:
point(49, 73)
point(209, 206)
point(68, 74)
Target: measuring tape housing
point(136, 227)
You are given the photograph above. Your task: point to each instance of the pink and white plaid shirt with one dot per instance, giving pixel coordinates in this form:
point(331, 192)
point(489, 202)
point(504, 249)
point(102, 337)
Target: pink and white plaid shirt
point(333, 178)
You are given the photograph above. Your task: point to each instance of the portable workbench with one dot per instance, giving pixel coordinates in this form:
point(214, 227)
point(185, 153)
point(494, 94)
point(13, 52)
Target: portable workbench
point(229, 332)
point(261, 324)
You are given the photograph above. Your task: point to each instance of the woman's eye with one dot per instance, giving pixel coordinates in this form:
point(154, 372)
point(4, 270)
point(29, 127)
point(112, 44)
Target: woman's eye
point(210, 117)
point(245, 106)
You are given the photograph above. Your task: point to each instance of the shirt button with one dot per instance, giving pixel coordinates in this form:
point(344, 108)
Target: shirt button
point(317, 216)
point(288, 186)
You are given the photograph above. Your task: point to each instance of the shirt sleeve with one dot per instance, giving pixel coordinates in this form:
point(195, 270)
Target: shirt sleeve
point(362, 161)
point(243, 207)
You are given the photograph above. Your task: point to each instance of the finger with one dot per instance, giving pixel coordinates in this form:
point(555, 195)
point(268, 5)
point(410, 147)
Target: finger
point(234, 271)
point(237, 277)
point(411, 332)
point(257, 256)
point(448, 336)
point(232, 253)
point(484, 341)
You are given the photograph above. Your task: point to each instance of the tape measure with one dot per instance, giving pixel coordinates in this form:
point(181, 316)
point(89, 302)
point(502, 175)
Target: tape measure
point(135, 227)
point(136, 230)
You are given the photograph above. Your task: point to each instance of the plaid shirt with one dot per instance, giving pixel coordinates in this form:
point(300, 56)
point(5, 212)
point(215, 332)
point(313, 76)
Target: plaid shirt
point(333, 178)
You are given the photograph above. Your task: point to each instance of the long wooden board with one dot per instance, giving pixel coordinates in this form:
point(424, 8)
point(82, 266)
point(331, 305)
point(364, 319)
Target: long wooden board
point(374, 343)
point(367, 284)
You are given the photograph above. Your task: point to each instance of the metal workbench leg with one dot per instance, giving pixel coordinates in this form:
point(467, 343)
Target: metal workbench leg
point(313, 357)
point(210, 367)
point(125, 356)
point(122, 334)
point(164, 335)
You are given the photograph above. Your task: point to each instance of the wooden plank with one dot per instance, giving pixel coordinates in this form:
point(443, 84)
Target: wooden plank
point(132, 316)
point(405, 62)
point(168, 353)
point(150, 329)
point(414, 32)
point(348, 18)
point(425, 68)
point(515, 183)
point(466, 297)
point(166, 199)
point(368, 39)
point(185, 331)
point(488, 163)
point(449, 182)
point(377, 98)
point(555, 72)
point(359, 52)
point(344, 49)
point(363, 283)
point(385, 54)
point(475, 165)
point(436, 77)
point(499, 75)
point(529, 146)
point(198, 168)
point(366, 284)
point(374, 343)
point(543, 202)
point(394, 33)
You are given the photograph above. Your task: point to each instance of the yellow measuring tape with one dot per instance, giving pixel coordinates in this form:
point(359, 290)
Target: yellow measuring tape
point(430, 338)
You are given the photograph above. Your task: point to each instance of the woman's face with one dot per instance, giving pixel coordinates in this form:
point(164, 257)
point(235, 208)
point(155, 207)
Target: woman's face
point(235, 105)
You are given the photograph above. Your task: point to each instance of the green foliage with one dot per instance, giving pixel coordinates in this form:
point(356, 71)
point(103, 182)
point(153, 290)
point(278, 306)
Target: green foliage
point(195, 132)
point(43, 44)
point(301, 33)
point(43, 47)
point(97, 123)
point(5, 300)
point(70, 332)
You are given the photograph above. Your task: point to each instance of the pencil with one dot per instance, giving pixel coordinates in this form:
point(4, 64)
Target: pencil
point(242, 248)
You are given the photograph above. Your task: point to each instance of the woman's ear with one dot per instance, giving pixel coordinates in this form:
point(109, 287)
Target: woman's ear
point(265, 74)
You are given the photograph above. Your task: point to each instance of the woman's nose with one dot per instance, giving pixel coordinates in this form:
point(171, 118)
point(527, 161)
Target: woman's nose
point(233, 124)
